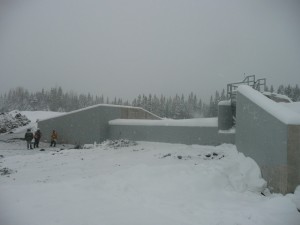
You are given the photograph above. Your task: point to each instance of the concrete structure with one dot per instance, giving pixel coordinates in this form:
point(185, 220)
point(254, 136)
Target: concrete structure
point(98, 123)
point(89, 125)
point(194, 131)
point(269, 133)
point(225, 115)
point(265, 130)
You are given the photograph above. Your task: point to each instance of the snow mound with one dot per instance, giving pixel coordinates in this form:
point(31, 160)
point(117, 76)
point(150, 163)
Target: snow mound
point(245, 176)
point(6, 171)
point(121, 143)
point(12, 120)
point(296, 197)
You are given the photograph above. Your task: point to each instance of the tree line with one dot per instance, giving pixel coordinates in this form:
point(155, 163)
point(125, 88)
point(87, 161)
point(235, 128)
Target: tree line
point(176, 107)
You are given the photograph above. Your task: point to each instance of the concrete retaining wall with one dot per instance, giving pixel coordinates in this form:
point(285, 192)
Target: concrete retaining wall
point(90, 124)
point(171, 134)
point(269, 139)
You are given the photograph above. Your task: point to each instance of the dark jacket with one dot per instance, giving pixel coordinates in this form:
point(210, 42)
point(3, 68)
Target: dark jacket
point(38, 135)
point(28, 136)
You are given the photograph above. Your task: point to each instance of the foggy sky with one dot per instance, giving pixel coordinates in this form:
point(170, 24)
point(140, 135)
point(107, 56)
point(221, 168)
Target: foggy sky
point(125, 48)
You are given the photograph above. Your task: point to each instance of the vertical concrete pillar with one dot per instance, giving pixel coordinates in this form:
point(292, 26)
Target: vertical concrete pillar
point(225, 120)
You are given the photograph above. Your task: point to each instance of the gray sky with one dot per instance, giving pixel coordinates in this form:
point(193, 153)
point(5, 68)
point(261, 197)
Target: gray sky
point(125, 48)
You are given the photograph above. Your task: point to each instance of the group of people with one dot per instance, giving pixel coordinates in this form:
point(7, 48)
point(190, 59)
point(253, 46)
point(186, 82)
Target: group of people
point(29, 136)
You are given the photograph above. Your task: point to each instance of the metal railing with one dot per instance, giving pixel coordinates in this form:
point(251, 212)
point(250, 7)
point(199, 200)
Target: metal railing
point(259, 85)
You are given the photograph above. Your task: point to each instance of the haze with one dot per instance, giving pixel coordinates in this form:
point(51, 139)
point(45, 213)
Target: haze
point(126, 48)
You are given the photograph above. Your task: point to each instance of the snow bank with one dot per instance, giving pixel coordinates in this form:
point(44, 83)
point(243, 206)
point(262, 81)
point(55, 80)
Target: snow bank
point(284, 114)
point(200, 122)
point(296, 197)
point(244, 174)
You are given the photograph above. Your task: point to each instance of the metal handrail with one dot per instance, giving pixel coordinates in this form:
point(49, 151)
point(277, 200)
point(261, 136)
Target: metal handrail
point(249, 80)
point(260, 84)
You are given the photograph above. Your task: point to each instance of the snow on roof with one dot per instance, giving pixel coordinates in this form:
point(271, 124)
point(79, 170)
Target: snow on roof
point(99, 105)
point(282, 113)
point(41, 115)
point(199, 122)
point(277, 97)
point(225, 102)
point(294, 106)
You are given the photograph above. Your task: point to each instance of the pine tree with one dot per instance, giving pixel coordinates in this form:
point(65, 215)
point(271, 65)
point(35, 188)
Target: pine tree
point(296, 94)
point(280, 89)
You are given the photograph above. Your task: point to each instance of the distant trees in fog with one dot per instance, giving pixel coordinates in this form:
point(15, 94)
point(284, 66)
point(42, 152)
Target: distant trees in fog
point(176, 107)
point(179, 107)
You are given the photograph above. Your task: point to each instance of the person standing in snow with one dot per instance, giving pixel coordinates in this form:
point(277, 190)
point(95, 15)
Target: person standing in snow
point(28, 138)
point(53, 138)
point(37, 137)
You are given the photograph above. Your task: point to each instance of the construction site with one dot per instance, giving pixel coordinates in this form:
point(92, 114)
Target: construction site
point(262, 125)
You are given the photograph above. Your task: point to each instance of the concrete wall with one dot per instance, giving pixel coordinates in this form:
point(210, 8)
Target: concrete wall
point(293, 157)
point(171, 134)
point(88, 125)
point(271, 142)
point(137, 113)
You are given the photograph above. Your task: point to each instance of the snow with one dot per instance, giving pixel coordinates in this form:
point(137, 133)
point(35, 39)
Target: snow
point(12, 120)
point(104, 105)
point(284, 114)
point(279, 96)
point(137, 183)
point(295, 106)
point(225, 102)
point(40, 115)
point(33, 116)
point(199, 122)
point(229, 131)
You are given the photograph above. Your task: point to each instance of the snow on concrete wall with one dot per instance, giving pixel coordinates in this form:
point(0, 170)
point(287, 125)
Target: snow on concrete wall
point(202, 131)
point(264, 132)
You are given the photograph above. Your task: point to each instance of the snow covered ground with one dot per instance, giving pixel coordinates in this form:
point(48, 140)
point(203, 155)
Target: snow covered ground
point(137, 183)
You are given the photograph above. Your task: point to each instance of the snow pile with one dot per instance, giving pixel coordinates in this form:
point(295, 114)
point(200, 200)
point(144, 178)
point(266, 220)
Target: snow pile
point(6, 171)
point(10, 121)
point(296, 197)
point(245, 176)
point(121, 143)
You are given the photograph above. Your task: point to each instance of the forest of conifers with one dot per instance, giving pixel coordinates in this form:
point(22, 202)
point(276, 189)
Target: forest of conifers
point(176, 107)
